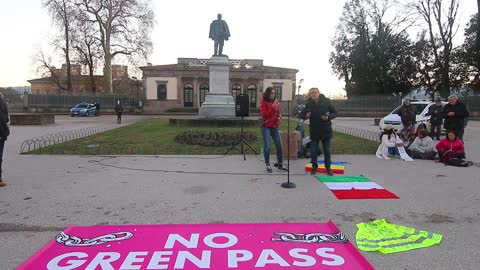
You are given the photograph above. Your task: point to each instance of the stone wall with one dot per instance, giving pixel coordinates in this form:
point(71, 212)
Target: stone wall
point(32, 119)
point(158, 106)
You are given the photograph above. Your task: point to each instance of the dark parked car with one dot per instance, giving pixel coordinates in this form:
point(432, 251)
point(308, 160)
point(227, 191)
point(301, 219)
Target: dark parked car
point(83, 109)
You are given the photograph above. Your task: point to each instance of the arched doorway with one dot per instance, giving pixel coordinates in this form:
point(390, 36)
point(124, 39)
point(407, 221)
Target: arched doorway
point(236, 89)
point(252, 95)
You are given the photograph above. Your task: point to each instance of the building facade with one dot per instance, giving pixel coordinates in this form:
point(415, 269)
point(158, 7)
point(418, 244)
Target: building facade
point(56, 83)
point(185, 84)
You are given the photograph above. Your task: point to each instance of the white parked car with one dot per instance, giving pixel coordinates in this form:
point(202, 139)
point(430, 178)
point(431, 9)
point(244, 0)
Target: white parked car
point(422, 121)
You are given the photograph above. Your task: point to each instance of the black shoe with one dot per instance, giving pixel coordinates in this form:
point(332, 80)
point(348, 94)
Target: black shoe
point(314, 171)
point(329, 172)
point(281, 167)
point(269, 169)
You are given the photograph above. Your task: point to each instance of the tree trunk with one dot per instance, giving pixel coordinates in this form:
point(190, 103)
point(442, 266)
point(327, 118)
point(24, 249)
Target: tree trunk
point(69, 73)
point(445, 86)
point(67, 58)
point(89, 61)
point(92, 81)
point(107, 73)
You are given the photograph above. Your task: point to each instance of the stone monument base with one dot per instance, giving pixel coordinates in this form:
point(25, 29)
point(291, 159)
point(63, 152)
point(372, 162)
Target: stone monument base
point(217, 106)
point(32, 119)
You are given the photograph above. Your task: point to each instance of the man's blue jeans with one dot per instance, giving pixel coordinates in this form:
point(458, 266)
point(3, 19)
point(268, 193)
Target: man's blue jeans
point(327, 152)
point(2, 145)
point(266, 134)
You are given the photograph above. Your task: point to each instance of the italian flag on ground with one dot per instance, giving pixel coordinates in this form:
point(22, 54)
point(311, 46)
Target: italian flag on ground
point(355, 187)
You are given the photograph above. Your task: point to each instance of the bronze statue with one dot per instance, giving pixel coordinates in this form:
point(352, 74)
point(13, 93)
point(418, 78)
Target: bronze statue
point(219, 33)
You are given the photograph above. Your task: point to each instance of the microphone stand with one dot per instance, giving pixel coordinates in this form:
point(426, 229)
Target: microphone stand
point(288, 184)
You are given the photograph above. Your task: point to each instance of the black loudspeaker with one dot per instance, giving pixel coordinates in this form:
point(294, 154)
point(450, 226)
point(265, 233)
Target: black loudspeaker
point(242, 103)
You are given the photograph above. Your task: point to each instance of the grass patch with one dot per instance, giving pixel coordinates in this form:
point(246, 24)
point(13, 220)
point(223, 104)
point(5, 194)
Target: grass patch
point(157, 137)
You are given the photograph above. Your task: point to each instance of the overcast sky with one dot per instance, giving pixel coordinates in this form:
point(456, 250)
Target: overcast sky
point(284, 33)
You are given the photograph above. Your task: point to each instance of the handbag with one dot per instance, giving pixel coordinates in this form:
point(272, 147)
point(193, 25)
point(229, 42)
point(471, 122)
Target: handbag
point(261, 121)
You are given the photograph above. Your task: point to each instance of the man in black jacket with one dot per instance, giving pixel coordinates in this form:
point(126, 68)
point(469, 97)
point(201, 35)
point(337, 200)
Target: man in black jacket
point(454, 114)
point(436, 119)
point(320, 111)
point(4, 131)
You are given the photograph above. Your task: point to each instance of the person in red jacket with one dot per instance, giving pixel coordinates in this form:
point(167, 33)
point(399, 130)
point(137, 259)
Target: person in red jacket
point(271, 115)
point(450, 147)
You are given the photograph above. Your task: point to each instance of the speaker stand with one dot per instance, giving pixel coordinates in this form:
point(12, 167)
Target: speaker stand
point(242, 141)
point(288, 184)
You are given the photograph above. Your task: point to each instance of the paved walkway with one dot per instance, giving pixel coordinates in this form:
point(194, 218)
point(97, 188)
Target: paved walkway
point(45, 194)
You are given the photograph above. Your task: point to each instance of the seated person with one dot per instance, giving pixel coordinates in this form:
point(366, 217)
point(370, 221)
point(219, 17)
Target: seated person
point(423, 147)
point(391, 144)
point(450, 147)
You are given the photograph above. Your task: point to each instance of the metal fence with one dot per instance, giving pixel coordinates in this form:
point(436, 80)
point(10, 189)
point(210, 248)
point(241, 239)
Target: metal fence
point(18, 102)
point(361, 133)
point(38, 143)
point(14, 100)
point(68, 101)
point(24, 102)
point(367, 104)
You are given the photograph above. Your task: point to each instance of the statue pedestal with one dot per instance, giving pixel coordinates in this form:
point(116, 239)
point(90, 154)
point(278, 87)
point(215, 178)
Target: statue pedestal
point(219, 103)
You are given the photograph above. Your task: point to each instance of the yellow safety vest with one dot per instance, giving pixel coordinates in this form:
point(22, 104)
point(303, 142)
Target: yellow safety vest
point(379, 235)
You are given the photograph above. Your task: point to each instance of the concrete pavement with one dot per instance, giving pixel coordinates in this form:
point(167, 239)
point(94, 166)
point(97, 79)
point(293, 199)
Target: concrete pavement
point(47, 193)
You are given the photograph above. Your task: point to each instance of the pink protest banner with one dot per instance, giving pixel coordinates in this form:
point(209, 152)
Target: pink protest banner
point(200, 246)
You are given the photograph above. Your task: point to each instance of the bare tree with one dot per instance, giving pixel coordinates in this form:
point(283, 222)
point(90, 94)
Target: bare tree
point(62, 12)
point(47, 69)
point(87, 46)
point(441, 25)
point(124, 27)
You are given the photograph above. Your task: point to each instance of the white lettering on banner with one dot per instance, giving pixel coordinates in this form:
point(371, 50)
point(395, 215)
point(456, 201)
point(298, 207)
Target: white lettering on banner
point(72, 264)
point(234, 258)
point(104, 260)
point(158, 258)
point(265, 258)
point(232, 240)
point(133, 260)
point(297, 254)
point(192, 243)
point(208, 240)
point(337, 260)
point(132, 257)
point(204, 262)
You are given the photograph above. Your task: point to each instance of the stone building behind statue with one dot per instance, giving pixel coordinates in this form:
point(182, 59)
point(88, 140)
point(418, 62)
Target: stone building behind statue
point(185, 84)
point(82, 84)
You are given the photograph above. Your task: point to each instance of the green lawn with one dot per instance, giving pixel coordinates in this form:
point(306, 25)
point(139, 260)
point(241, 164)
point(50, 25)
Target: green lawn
point(156, 137)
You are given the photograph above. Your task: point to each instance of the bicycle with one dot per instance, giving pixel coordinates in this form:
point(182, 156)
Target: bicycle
point(408, 133)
